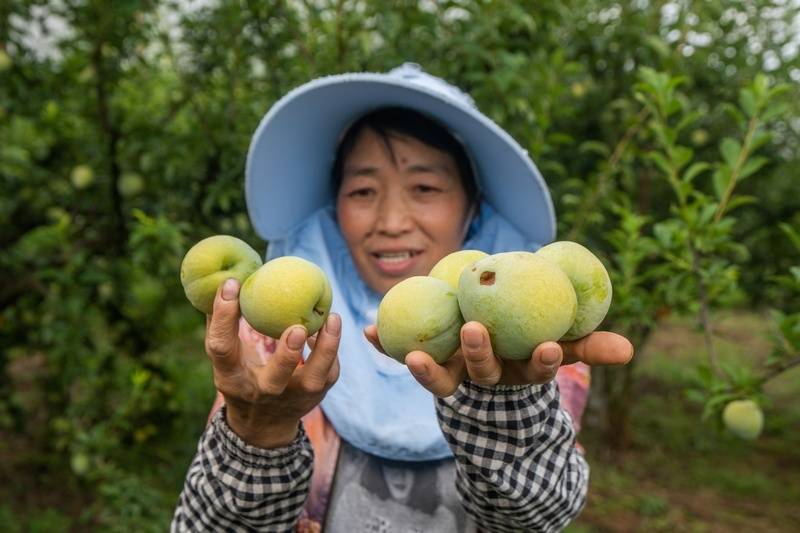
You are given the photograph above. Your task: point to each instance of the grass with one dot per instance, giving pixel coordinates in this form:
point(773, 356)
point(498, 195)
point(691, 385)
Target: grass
point(685, 475)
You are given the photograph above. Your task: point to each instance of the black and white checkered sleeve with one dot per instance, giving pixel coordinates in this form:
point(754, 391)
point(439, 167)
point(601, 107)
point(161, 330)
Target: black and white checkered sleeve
point(232, 486)
point(517, 465)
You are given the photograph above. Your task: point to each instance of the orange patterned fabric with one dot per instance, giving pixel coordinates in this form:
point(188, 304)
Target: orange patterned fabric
point(325, 442)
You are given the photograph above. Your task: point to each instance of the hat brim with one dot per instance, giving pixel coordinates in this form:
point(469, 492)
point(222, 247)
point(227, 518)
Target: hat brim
point(291, 155)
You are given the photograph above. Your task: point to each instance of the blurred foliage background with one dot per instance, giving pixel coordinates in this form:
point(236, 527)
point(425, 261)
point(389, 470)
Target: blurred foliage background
point(669, 134)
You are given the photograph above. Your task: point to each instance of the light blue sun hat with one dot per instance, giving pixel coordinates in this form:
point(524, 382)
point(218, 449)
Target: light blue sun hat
point(288, 170)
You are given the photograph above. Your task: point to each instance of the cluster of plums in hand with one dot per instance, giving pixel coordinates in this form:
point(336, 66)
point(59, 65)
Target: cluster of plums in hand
point(560, 292)
point(275, 295)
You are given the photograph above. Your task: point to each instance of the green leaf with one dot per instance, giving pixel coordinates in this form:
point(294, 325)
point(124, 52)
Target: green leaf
point(706, 213)
point(653, 79)
point(665, 134)
point(776, 110)
point(664, 233)
point(734, 113)
point(760, 86)
point(695, 170)
point(779, 89)
point(720, 180)
point(740, 200)
point(660, 161)
point(673, 107)
point(730, 149)
point(752, 166)
point(759, 138)
point(790, 232)
point(747, 101)
point(595, 147)
point(658, 45)
point(687, 120)
point(682, 155)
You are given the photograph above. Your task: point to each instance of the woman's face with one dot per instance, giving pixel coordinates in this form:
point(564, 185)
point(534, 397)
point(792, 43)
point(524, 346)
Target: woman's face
point(399, 217)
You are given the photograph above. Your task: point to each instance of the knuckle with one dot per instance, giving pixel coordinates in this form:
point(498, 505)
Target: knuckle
point(216, 346)
point(265, 387)
point(545, 375)
point(287, 362)
point(446, 389)
point(312, 386)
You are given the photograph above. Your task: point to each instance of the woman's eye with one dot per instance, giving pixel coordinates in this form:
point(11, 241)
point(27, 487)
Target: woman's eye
point(360, 193)
point(426, 189)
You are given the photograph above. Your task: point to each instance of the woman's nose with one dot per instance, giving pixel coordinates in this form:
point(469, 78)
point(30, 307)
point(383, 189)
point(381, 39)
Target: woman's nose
point(394, 217)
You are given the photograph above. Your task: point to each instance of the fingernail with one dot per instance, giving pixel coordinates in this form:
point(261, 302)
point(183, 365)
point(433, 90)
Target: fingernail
point(296, 338)
point(229, 289)
point(333, 325)
point(550, 355)
point(473, 339)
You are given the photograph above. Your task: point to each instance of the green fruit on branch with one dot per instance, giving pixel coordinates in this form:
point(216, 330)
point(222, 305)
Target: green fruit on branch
point(5, 61)
point(420, 313)
point(130, 184)
point(449, 268)
point(284, 292)
point(743, 418)
point(82, 176)
point(590, 280)
point(522, 300)
point(210, 262)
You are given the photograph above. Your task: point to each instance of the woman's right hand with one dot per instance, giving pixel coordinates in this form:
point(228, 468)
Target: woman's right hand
point(266, 384)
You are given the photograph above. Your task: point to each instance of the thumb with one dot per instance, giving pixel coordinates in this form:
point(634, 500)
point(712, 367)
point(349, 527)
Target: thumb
point(222, 337)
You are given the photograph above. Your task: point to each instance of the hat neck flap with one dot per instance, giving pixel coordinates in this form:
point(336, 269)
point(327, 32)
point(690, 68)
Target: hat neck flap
point(377, 405)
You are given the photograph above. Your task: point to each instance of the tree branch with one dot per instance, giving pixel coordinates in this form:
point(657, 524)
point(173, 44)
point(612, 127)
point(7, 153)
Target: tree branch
point(780, 368)
point(613, 162)
point(113, 137)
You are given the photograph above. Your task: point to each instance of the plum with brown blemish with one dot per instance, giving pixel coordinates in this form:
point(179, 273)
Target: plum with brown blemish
point(521, 299)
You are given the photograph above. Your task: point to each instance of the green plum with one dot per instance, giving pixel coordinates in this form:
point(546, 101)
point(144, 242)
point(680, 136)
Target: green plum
point(210, 262)
point(521, 299)
point(590, 280)
point(420, 313)
point(449, 267)
point(743, 418)
point(286, 291)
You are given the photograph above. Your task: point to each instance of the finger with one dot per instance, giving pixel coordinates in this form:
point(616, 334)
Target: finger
point(312, 340)
point(441, 380)
point(314, 374)
point(222, 333)
point(598, 348)
point(371, 333)
point(544, 363)
point(275, 374)
point(333, 373)
point(482, 366)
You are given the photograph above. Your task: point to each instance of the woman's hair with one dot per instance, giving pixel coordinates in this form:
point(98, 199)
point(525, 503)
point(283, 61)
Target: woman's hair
point(408, 123)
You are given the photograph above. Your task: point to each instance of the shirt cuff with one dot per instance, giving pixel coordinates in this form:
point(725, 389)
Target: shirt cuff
point(236, 448)
point(472, 389)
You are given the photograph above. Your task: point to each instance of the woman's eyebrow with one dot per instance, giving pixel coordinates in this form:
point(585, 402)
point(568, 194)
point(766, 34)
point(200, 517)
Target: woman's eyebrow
point(363, 170)
point(421, 168)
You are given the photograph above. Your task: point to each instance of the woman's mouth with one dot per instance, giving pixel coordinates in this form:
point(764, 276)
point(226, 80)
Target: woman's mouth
point(396, 263)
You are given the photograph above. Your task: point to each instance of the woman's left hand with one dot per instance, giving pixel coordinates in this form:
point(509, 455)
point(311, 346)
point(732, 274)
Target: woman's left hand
point(476, 361)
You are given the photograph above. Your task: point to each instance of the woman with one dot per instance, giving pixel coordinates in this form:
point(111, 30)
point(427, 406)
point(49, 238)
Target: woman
point(417, 173)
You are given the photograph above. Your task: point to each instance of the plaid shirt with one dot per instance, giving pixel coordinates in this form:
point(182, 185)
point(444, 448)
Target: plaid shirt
point(518, 468)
